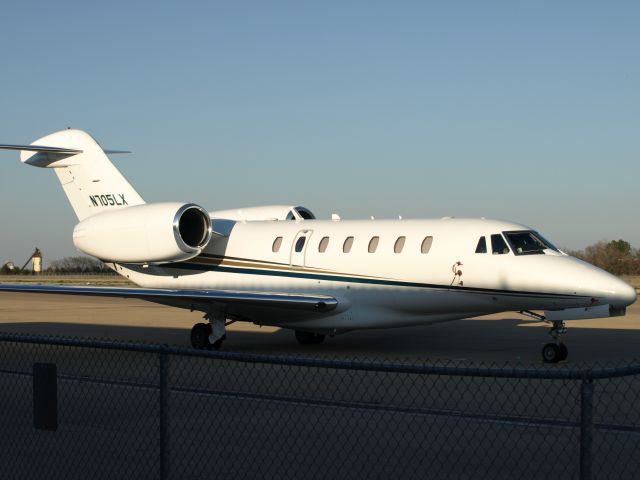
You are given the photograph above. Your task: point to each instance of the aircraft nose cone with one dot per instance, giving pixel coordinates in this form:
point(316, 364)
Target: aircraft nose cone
point(623, 295)
point(608, 288)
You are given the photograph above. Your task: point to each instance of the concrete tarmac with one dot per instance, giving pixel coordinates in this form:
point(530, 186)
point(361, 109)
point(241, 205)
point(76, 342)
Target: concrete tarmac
point(509, 337)
point(234, 420)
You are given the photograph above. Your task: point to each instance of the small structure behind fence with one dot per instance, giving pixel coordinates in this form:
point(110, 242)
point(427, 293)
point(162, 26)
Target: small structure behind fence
point(158, 412)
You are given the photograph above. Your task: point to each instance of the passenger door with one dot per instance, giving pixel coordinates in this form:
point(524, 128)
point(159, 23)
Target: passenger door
point(299, 248)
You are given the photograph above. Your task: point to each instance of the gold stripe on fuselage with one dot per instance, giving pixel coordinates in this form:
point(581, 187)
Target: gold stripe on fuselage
point(262, 265)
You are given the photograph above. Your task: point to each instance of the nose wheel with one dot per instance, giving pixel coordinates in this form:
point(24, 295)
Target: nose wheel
point(555, 351)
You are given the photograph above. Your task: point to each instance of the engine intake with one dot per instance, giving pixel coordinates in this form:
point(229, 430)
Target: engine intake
point(192, 226)
point(153, 233)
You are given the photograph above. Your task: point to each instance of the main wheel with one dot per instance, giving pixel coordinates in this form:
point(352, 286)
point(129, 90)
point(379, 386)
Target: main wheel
point(309, 338)
point(551, 353)
point(200, 336)
point(218, 343)
point(564, 352)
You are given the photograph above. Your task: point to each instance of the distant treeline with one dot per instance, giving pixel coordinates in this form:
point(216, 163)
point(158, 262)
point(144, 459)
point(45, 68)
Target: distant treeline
point(616, 256)
point(84, 265)
point(77, 265)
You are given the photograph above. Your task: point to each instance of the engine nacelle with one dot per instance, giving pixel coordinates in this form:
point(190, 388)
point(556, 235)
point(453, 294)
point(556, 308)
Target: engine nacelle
point(265, 213)
point(152, 233)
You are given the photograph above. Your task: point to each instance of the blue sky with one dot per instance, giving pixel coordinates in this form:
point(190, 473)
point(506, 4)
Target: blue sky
point(525, 111)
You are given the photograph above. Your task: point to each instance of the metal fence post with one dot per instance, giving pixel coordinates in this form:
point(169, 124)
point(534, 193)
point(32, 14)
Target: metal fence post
point(164, 414)
point(586, 428)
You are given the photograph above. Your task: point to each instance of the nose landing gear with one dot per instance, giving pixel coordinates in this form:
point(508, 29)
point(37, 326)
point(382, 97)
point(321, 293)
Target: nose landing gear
point(555, 351)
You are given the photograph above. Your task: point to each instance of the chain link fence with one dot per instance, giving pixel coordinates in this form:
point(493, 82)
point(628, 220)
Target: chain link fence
point(113, 410)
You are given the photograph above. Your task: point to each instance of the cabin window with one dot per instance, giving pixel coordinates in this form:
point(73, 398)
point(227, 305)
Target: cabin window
point(397, 248)
point(348, 243)
point(498, 245)
point(300, 244)
point(426, 244)
point(324, 243)
point(276, 245)
point(373, 244)
point(482, 245)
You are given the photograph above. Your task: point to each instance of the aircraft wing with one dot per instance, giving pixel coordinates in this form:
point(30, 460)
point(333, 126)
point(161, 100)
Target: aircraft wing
point(252, 305)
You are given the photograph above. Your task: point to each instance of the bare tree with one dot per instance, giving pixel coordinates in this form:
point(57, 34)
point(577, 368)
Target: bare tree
point(616, 256)
point(76, 265)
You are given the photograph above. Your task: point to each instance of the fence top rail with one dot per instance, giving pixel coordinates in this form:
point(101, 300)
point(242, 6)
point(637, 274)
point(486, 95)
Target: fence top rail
point(535, 372)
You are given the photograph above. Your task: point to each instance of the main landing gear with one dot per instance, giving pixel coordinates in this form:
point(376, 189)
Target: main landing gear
point(200, 337)
point(309, 338)
point(209, 336)
point(555, 351)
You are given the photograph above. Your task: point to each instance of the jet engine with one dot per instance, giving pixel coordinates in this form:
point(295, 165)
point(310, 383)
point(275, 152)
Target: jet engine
point(152, 233)
point(265, 213)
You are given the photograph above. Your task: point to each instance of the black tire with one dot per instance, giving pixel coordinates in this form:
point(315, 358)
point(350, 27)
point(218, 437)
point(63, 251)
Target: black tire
point(218, 343)
point(200, 336)
point(564, 351)
point(551, 353)
point(309, 338)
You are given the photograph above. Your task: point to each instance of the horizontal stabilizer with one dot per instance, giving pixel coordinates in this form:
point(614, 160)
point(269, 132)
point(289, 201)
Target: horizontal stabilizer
point(38, 148)
point(62, 151)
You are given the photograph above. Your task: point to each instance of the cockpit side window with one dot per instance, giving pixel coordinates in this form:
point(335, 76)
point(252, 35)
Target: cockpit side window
point(526, 242)
point(498, 245)
point(482, 245)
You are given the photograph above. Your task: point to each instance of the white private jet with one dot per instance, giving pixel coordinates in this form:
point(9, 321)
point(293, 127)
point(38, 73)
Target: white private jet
point(278, 265)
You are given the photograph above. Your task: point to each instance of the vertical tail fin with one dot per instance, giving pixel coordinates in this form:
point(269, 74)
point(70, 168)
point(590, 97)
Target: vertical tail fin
point(91, 182)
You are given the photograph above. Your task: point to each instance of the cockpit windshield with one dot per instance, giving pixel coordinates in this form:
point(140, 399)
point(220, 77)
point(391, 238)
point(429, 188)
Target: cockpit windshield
point(526, 242)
